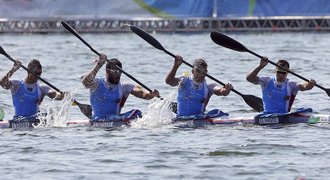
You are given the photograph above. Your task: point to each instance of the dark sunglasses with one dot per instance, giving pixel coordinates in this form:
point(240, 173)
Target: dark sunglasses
point(280, 72)
point(114, 71)
point(200, 71)
point(37, 73)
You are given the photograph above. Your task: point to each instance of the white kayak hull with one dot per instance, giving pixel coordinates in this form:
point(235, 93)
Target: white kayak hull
point(73, 123)
point(309, 118)
point(291, 119)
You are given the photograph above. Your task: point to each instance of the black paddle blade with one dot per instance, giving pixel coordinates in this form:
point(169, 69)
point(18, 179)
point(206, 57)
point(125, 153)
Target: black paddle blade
point(328, 92)
point(86, 109)
point(68, 27)
point(227, 42)
point(254, 102)
point(147, 37)
point(3, 52)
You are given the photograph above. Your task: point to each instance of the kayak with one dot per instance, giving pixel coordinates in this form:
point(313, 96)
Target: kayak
point(116, 120)
point(73, 123)
point(303, 115)
point(101, 124)
point(299, 116)
point(290, 119)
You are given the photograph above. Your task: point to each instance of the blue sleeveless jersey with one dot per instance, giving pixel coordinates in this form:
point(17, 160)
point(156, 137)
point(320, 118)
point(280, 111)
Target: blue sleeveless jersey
point(25, 102)
point(276, 99)
point(191, 100)
point(106, 101)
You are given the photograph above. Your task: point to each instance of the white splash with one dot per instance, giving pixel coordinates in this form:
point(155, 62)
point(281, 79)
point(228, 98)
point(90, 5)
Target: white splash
point(159, 114)
point(55, 113)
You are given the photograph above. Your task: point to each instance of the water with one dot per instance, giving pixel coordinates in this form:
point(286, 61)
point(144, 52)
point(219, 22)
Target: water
point(156, 151)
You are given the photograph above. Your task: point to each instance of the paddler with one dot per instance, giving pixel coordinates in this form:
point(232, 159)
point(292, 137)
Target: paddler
point(27, 94)
point(278, 92)
point(193, 91)
point(108, 94)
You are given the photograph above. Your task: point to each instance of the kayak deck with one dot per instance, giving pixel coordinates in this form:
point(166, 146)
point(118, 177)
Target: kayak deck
point(290, 119)
point(309, 118)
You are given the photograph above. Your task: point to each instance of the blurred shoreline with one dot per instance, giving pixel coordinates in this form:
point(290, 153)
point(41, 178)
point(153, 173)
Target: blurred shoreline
point(186, 25)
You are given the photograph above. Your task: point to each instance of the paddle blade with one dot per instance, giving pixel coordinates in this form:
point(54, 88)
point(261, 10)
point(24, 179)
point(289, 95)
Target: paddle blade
point(3, 52)
point(68, 27)
point(254, 102)
point(227, 42)
point(147, 37)
point(328, 92)
point(86, 109)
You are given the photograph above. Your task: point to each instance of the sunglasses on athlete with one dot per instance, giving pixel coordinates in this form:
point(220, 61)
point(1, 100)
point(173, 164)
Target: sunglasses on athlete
point(114, 71)
point(37, 73)
point(281, 72)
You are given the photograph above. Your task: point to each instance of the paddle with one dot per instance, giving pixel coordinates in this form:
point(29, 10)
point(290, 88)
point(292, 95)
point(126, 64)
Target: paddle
point(253, 101)
point(230, 43)
point(72, 31)
point(87, 111)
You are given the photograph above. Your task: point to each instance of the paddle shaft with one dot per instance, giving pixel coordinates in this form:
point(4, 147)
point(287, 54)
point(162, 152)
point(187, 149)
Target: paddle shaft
point(207, 75)
point(70, 29)
point(253, 101)
point(271, 62)
point(232, 44)
point(28, 70)
point(85, 112)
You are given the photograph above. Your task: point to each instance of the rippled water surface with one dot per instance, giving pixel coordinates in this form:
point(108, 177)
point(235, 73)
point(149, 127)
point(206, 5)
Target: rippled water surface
point(159, 151)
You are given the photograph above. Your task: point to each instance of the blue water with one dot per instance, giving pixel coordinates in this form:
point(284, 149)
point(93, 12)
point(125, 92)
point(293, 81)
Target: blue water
point(156, 150)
